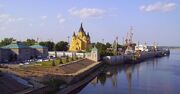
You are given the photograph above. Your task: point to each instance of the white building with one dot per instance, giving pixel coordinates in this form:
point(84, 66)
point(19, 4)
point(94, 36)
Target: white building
point(141, 48)
point(66, 53)
point(93, 55)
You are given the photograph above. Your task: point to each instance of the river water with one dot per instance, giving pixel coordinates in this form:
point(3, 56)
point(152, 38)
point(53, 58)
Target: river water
point(155, 76)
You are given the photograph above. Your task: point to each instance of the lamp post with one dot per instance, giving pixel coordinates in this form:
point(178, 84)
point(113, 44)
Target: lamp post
point(68, 39)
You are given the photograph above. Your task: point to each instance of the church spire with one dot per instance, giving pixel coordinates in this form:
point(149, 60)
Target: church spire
point(81, 28)
point(88, 35)
point(74, 34)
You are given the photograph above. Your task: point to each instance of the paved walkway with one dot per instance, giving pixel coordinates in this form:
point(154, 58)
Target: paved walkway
point(76, 66)
point(10, 86)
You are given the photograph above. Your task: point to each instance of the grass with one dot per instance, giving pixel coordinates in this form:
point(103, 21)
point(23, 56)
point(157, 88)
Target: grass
point(57, 62)
point(35, 68)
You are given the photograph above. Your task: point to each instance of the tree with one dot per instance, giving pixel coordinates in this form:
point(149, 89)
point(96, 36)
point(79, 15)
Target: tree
point(76, 58)
point(48, 44)
point(72, 59)
point(61, 46)
point(101, 48)
point(67, 59)
point(108, 45)
point(89, 48)
point(60, 61)
point(29, 42)
point(53, 63)
point(6, 41)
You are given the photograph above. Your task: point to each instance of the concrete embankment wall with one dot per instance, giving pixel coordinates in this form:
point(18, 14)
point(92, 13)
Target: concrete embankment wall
point(89, 75)
point(162, 53)
point(146, 55)
point(80, 78)
point(43, 90)
point(133, 58)
point(117, 59)
point(75, 77)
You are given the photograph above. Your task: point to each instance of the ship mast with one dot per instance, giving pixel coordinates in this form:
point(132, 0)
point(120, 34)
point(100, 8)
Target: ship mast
point(129, 37)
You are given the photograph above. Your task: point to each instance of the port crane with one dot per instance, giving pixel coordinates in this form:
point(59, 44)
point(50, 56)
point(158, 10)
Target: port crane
point(129, 45)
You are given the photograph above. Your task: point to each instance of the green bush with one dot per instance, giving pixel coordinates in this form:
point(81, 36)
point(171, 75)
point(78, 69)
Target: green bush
point(60, 61)
point(67, 59)
point(53, 63)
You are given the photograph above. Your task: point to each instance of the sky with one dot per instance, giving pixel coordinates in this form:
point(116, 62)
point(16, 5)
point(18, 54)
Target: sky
point(152, 20)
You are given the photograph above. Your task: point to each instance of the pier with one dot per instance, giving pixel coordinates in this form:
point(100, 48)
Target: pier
point(134, 58)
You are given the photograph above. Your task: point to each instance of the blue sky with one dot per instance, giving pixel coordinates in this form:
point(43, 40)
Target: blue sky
point(153, 20)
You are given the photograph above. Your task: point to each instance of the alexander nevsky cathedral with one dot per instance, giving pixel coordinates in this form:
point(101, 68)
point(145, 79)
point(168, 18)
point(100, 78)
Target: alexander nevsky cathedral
point(81, 41)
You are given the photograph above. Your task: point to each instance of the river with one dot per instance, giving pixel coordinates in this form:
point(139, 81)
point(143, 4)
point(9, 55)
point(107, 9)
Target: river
point(155, 76)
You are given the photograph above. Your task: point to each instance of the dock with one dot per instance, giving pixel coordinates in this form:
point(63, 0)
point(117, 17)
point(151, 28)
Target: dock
point(134, 58)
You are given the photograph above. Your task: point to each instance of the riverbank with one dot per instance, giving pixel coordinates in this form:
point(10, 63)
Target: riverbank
point(72, 74)
point(134, 58)
point(52, 78)
point(11, 84)
point(74, 87)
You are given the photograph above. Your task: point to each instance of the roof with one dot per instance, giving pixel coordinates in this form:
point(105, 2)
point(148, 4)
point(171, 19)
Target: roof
point(15, 45)
point(94, 49)
point(37, 46)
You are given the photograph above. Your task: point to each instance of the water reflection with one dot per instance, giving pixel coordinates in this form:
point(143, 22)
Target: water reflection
point(143, 78)
point(111, 74)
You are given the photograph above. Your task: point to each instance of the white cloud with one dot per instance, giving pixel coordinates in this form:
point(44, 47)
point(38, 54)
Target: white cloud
point(159, 6)
point(61, 19)
point(20, 19)
point(6, 19)
point(87, 12)
point(59, 16)
point(43, 17)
